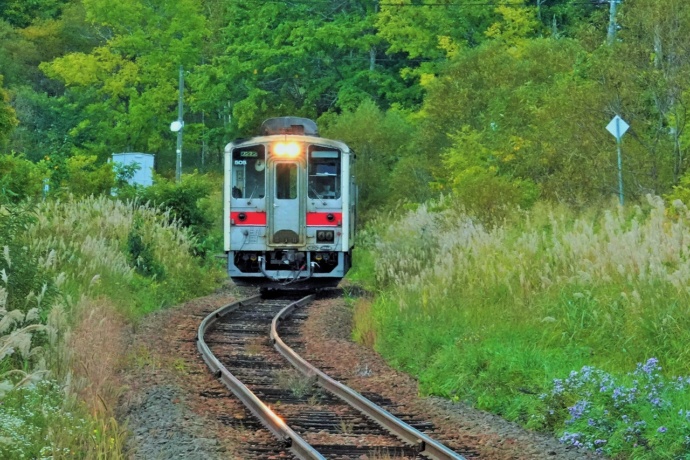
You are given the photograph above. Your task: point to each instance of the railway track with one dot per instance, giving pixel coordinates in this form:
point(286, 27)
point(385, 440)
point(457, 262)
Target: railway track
point(250, 346)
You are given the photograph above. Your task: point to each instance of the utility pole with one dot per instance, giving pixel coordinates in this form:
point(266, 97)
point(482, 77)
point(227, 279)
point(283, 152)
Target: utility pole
point(180, 113)
point(611, 37)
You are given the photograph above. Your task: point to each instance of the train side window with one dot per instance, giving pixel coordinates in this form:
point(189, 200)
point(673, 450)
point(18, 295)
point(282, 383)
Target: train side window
point(249, 172)
point(324, 173)
point(286, 181)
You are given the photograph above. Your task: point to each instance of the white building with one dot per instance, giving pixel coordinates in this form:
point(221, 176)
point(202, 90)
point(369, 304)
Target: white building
point(144, 175)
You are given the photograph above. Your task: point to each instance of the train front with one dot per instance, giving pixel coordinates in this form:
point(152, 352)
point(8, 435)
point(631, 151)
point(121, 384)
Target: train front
point(289, 207)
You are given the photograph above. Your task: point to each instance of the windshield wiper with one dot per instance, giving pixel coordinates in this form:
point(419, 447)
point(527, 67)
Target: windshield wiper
point(251, 195)
point(323, 201)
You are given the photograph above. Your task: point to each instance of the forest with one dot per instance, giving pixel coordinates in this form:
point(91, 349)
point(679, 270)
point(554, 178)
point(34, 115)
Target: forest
point(496, 102)
point(553, 289)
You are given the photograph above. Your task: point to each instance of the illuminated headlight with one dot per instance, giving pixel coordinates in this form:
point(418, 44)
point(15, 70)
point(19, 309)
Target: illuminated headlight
point(286, 149)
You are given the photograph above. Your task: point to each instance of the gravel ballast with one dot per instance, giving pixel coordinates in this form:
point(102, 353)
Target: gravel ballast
point(172, 409)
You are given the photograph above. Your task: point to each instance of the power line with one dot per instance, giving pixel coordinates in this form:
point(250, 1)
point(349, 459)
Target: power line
point(593, 3)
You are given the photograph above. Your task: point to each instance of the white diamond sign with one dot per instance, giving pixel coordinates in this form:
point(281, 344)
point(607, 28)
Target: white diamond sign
point(617, 126)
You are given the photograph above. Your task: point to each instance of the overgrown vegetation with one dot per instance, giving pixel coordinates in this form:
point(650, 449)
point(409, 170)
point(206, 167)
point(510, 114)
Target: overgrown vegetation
point(72, 273)
point(576, 323)
point(496, 107)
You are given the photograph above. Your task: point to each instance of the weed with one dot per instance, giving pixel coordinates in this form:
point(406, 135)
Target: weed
point(299, 385)
point(180, 366)
point(346, 426)
point(255, 346)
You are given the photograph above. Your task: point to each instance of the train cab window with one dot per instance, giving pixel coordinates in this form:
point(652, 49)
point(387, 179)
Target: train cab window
point(324, 173)
point(286, 181)
point(249, 172)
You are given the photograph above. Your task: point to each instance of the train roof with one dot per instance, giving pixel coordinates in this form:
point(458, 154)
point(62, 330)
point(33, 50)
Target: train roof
point(277, 137)
point(289, 125)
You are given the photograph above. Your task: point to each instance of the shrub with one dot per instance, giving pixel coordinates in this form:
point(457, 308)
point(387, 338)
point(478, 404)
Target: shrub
point(85, 177)
point(20, 178)
point(636, 413)
point(195, 203)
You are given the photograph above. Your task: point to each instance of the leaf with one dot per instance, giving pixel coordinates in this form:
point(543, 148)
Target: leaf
point(5, 387)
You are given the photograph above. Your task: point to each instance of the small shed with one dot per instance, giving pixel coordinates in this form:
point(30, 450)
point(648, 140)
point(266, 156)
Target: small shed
point(144, 175)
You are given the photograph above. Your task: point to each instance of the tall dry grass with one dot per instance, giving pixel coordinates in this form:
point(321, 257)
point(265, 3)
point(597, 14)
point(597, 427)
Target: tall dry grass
point(85, 241)
point(97, 345)
point(67, 335)
point(622, 273)
point(495, 316)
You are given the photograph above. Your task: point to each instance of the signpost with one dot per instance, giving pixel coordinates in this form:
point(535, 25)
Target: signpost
point(617, 126)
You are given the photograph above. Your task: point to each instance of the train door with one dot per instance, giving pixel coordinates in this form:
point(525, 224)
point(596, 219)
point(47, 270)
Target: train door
point(286, 224)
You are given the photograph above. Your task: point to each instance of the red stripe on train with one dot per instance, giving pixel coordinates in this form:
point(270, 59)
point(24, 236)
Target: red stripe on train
point(248, 218)
point(324, 219)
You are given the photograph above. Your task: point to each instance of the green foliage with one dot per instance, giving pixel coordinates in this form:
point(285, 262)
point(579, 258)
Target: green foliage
point(96, 245)
point(85, 177)
point(185, 200)
point(303, 60)
point(493, 316)
point(524, 124)
point(130, 81)
point(8, 120)
point(20, 178)
point(21, 13)
point(387, 168)
point(140, 254)
point(681, 191)
point(635, 414)
point(26, 282)
point(36, 423)
point(474, 179)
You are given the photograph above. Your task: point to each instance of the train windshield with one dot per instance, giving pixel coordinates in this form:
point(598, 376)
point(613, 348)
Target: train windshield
point(324, 173)
point(249, 172)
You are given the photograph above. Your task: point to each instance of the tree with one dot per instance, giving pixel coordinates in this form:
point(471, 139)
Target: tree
point(654, 62)
point(383, 144)
point(305, 60)
point(532, 110)
point(21, 13)
point(128, 85)
point(8, 119)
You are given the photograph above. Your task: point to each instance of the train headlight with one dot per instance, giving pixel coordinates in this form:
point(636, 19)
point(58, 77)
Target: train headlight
point(324, 236)
point(286, 149)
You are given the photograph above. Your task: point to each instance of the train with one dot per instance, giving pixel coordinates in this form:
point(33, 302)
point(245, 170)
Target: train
point(290, 202)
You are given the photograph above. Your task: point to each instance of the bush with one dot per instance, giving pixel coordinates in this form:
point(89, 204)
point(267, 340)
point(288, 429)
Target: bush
point(195, 203)
point(20, 178)
point(85, 177)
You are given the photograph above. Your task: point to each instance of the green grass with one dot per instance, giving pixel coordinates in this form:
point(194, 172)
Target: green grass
point(496, 316)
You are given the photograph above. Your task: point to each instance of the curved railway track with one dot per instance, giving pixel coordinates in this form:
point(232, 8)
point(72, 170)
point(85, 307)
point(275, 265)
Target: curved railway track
point(310, 415)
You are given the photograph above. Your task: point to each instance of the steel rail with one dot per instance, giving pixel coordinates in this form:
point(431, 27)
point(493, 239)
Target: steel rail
point(423, 443)
point(266, 416)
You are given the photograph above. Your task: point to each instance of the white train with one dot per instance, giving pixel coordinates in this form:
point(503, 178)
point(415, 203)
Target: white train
point(290, 204)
